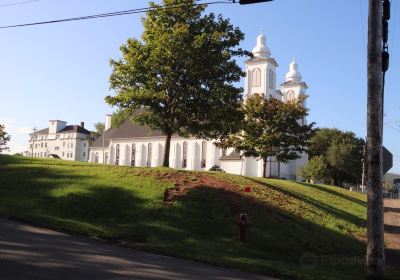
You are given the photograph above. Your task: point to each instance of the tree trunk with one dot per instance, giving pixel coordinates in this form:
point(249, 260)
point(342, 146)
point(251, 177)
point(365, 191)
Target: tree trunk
point(167, 149)
point(264, 167)
point(375, 237)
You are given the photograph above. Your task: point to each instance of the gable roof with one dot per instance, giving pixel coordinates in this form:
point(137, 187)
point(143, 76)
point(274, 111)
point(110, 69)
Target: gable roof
point(74, 128)
point(67, 129)
point(98, 143)
point(235, 155)
point(42, 131)
point(126, 130)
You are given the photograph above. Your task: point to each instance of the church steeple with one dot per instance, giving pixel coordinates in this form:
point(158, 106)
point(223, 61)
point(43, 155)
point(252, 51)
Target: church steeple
point(293, 87)
point(260, 71)
point(293, 75)
point(261, 49)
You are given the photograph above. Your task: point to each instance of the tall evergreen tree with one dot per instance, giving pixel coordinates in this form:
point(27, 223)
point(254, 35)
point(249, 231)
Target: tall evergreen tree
point(182, 72)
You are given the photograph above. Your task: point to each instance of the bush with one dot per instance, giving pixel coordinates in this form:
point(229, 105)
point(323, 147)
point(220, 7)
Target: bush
point(315, 170)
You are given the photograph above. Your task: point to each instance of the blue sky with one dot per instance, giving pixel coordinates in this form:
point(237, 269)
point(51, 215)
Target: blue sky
point(61, 71)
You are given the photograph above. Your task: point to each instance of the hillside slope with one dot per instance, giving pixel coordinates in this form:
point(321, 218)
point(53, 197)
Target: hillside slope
point(298, 231)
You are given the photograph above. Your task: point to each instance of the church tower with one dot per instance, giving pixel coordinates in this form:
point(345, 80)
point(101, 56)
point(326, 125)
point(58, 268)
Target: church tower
point(261, 71)
point(293, 87)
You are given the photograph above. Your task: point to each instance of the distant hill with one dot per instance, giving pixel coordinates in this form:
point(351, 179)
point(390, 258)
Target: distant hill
point(389, 177)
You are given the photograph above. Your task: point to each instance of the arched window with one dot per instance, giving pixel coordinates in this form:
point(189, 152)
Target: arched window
point(149, 154)
point(96, 158)
point(184, 154)
point(271, 79)
point(117, 155)
point(256, 77)
point(290, 95)
point(133, 155)
point(203, 153)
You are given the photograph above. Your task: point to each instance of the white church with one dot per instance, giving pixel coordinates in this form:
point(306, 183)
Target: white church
point(135, 145)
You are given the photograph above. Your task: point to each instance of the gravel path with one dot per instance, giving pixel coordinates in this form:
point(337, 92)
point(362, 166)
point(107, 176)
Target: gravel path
point(392, 231)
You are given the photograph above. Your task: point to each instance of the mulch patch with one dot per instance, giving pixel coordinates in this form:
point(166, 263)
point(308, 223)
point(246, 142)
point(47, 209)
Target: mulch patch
point(232, 192)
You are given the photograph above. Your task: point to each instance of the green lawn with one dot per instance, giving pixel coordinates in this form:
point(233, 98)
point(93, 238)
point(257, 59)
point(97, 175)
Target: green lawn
point(298, 231)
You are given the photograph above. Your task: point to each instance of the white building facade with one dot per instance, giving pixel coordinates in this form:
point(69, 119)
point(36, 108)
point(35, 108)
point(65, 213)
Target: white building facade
point(59, 140)
point(135, 145)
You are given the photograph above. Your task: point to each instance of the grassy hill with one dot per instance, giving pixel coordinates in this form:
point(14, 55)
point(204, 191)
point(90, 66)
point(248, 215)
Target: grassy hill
point(298, 231)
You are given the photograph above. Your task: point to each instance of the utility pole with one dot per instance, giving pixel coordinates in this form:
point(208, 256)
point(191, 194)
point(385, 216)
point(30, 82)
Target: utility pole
point(33, 140)
point(377, 64)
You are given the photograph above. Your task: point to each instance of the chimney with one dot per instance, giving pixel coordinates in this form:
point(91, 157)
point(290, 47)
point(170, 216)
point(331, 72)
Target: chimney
point(56, 125)
point(107, 125)
point(82, 124)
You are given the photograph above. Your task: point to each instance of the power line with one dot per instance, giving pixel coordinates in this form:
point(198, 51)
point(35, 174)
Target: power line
point(18, 3)
point(393, 127)
point(112, 14)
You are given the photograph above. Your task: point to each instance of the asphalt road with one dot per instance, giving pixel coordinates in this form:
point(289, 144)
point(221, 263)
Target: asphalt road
point(28, 252)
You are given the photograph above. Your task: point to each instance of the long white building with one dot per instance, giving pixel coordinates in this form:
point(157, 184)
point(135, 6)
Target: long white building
point(59, 140)
point(135, 145)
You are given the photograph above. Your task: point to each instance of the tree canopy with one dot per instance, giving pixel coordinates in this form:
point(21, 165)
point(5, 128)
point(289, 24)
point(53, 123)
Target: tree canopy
point(4, 138)
point(342, 152)
point(119, 116)
point(98, 131)
point(272, 128)
point(315, 170)
point(182, 72)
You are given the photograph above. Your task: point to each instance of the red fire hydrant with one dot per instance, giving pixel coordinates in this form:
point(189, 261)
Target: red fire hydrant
point(243, 223)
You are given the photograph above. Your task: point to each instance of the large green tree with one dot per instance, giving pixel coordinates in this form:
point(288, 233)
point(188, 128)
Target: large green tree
point(271, 128)
point(4, 138)
point(342, 151)
point(182, 72)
